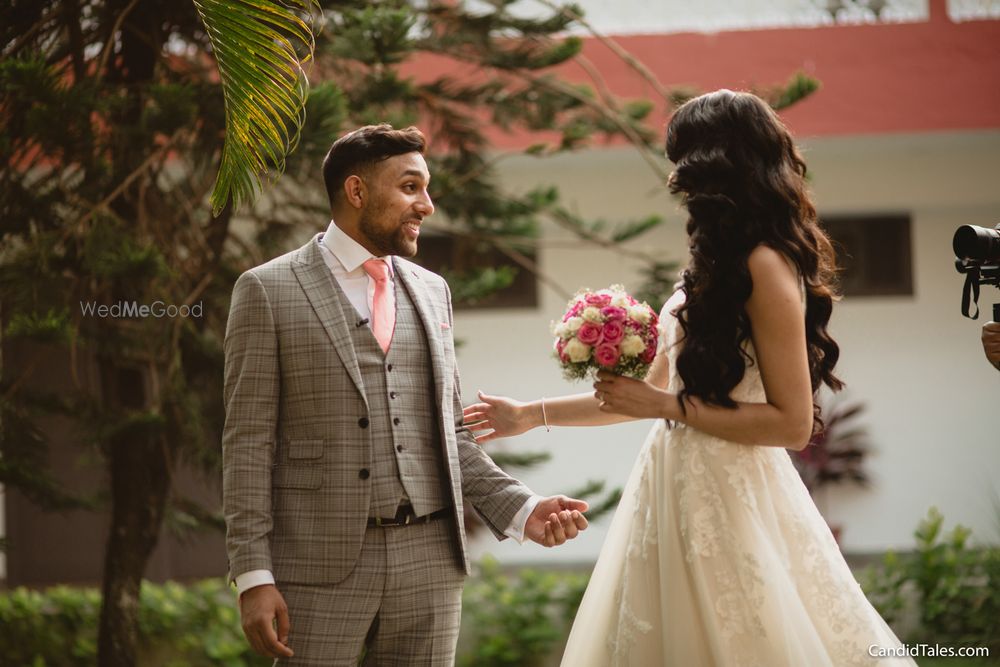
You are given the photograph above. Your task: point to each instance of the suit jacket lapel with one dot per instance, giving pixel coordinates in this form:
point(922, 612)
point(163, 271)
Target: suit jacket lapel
point(417, 290)
point(317, 282)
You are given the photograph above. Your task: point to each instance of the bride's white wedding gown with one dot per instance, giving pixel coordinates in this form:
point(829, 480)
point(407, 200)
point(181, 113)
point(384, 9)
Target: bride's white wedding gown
point(718, 556)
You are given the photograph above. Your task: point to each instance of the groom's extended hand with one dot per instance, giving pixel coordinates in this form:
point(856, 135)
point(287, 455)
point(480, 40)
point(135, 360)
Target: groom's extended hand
point(261, 609)
point(555, 520)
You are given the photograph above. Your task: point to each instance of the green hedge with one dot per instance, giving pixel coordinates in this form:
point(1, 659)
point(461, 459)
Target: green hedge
point(194, 626)
point(945, 592)
point(514, 619)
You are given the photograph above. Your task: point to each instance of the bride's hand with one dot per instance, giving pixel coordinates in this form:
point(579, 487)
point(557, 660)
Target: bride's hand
point(497, 417)
point(633, 398)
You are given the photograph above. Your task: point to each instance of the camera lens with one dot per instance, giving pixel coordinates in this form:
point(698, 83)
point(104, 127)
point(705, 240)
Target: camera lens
point(979, 244)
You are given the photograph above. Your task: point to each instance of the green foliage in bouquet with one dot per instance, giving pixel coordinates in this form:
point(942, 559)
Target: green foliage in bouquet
point(586, 370)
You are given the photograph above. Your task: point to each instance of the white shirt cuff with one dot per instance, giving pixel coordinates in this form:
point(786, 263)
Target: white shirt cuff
point(516, 528)
point(252, 579)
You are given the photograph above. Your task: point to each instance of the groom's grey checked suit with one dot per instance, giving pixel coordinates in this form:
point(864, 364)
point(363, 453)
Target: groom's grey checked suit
point(324, 430)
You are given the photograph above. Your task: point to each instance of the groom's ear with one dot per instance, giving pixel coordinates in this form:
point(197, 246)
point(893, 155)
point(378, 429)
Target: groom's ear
point(355, 191)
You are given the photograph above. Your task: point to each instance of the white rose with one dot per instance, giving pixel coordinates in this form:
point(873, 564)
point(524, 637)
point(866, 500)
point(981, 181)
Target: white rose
point(573, 324)
point(632, 345)
point(561, 330)
point(640, 314)
point(592, 314)
point(576, 351)
point(620, 301)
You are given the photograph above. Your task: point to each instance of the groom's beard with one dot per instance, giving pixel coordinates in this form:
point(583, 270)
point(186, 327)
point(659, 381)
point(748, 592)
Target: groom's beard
point(389, 239)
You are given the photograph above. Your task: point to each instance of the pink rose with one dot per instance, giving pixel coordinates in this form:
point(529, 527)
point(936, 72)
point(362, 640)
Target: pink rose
point(560, 346)
point(632, 325)
point(613, 313)
point(599, 300)
point(574, 310)
point(589, 333)
point(613, 332)
point(650, 352)
point(606, 355)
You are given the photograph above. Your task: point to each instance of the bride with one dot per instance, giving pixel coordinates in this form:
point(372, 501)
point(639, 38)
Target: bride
point(717, 554)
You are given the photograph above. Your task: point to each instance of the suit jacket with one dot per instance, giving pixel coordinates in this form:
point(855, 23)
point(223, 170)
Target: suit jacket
point(295, 452)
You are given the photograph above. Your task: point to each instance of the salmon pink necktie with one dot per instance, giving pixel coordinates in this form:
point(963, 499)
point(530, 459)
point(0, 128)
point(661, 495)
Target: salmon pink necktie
point(383, 308)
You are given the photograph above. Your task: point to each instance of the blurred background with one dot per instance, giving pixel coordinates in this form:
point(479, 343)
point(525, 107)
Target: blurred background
point(546, 127)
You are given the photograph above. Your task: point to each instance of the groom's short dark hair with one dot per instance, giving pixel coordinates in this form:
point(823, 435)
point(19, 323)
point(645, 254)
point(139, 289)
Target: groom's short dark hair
point(362, 148)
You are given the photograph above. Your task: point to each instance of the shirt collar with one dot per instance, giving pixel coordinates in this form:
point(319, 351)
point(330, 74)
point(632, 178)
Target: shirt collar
point(348, 252)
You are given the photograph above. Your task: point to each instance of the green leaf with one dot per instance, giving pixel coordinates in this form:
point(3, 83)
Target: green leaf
point(52, 327)
point(632, 229)
point(256, 44)
point(799, 87)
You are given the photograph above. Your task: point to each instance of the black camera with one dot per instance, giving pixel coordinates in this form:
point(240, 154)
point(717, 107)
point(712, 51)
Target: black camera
point(977, 255)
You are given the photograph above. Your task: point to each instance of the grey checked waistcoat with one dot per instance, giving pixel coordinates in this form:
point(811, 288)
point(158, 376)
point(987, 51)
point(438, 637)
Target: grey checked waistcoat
point(399, 386)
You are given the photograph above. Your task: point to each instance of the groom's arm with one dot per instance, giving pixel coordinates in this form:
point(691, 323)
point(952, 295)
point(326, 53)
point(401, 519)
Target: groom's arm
point(508, 508)
point(251, 395)
point(496, 497)
point(503, 502)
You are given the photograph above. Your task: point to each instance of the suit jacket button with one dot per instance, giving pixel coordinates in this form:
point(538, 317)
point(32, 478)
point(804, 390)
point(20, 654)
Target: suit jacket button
point(395, 421)
point(363, 473)
point(389, 368)
point(363, 422)
point(392, 394)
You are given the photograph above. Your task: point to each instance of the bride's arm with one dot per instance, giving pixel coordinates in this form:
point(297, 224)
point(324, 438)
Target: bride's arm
point(777, 323)
point(502, 417)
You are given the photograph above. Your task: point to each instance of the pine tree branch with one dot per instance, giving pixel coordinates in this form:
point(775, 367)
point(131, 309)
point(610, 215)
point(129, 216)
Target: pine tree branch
point(634, 139)
point(615, 47)
point(15, 46)
point(562, 219)
point(123, 186)
point(531, 266)
point(110, 39)
point(198, 290)
point(75, 34)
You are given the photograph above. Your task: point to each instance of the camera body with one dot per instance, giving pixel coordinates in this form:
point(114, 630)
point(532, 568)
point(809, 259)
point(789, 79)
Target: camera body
point(977, 255)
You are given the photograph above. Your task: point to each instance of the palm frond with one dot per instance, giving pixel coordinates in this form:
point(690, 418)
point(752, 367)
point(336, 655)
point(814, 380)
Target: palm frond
point(260, 47)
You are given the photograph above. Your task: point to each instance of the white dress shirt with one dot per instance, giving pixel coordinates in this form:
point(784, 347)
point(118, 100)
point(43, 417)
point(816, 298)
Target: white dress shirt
point(345, 257)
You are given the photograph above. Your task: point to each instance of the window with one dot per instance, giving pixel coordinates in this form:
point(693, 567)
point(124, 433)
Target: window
point(874, 254)
point(458, 257)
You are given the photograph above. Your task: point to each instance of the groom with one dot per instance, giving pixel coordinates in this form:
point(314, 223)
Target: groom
point(345, 462)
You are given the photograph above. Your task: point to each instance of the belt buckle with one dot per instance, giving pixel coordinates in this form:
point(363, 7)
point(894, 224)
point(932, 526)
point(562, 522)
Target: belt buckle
point(378, 521)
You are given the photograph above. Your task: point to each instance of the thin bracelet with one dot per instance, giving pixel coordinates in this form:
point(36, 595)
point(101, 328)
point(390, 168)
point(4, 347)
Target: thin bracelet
point(545, 419)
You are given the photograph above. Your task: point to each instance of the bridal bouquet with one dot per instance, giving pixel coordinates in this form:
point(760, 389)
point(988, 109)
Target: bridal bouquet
point(606, 330)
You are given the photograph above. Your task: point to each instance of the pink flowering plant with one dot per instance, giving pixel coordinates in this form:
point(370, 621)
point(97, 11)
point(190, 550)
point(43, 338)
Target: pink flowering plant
point(606, 330)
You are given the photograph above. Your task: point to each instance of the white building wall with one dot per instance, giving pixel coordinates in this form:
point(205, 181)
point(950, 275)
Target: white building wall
point(918, 364)
point(630, 17)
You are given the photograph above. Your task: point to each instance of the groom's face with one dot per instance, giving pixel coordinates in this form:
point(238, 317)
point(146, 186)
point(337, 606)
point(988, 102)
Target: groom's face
point(397, 204)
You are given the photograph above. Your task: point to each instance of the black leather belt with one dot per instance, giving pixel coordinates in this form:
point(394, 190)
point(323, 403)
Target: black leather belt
point(406, 517)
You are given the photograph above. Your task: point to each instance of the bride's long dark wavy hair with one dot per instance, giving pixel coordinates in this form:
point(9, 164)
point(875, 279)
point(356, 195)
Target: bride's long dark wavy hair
point(743, 182)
